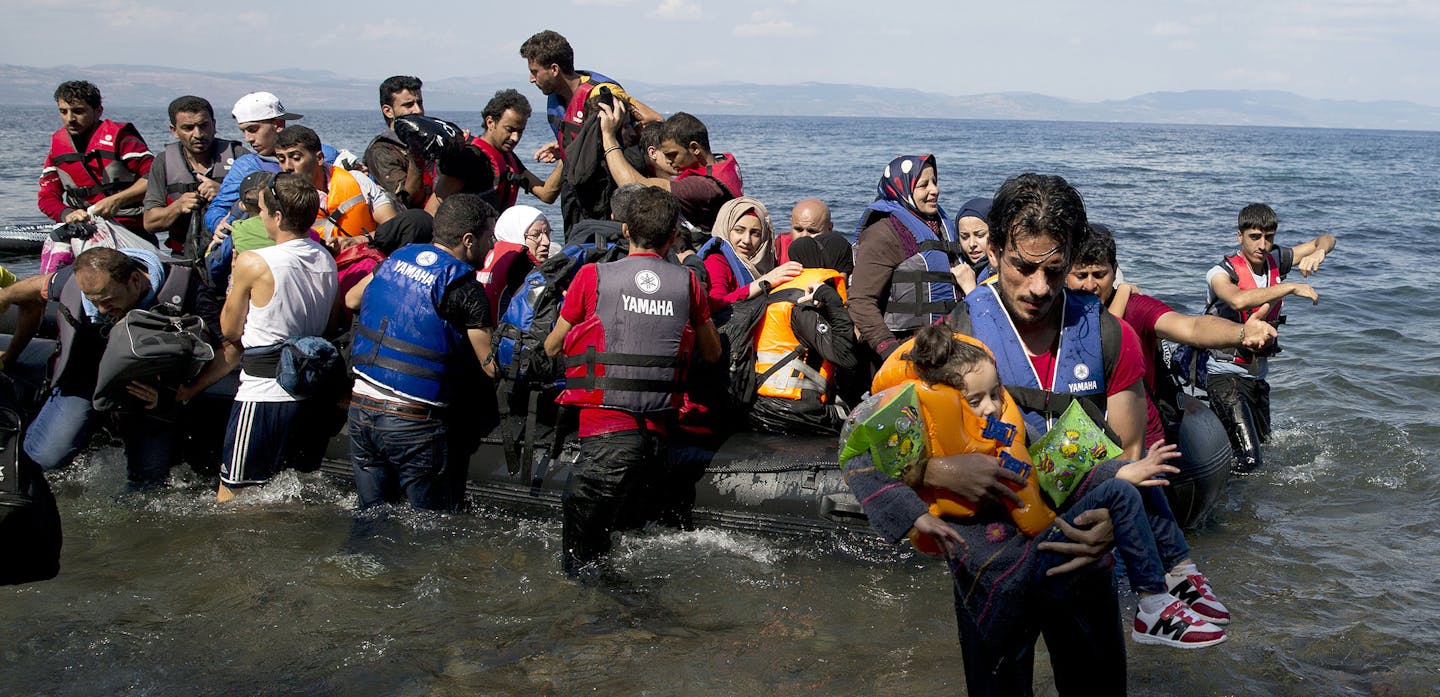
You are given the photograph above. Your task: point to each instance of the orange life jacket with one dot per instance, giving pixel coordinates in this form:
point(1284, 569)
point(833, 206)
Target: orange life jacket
point(777, 343)
point(952, 428)
point(345, 212)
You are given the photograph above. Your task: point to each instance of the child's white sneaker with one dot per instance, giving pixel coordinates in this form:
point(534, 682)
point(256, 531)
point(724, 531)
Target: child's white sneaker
point(1175, 625)
point(1195, 590)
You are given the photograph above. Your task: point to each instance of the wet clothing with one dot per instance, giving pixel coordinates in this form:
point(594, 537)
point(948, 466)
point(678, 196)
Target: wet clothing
point(76, 174)
point(153, 438)
point(637, 306)
point(1003, 601)
point(1235, 379)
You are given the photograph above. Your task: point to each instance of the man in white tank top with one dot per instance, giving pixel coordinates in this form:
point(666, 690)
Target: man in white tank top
point(279, 292)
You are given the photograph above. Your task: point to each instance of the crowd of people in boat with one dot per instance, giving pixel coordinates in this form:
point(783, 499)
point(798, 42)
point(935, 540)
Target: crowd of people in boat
point(672, 312)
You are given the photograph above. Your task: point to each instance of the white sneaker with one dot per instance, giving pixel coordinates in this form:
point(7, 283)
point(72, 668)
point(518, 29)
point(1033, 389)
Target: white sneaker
point(1176, 625)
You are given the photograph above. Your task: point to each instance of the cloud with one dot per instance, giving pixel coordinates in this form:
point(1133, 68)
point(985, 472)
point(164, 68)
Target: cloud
point(602, 3)
point(1169, 28)
point(676, 11)
point(769, 24)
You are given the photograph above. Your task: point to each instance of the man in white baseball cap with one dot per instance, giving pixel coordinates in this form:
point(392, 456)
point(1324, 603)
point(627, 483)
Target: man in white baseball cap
point(261, 116)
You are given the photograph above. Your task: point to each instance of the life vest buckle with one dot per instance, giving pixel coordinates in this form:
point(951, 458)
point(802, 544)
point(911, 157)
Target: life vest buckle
point(998, 431)
point(1010, 462)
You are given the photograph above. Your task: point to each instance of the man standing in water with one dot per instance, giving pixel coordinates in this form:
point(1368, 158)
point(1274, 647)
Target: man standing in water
point(1050, 346)
point(1239, 287)
point(626, 328)
point(279, 292)
point(422, 314)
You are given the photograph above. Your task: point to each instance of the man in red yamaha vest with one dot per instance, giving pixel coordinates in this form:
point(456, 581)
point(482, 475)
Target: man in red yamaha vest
point(489, 167)
point(188, 173)
point(1236, 288)
point(96, 166)
point(626, 328)
point(703, 181)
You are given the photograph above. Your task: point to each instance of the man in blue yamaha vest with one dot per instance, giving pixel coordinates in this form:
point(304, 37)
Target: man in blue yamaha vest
point(421, 313)
point(626, 329)
point(94, 293)
point(1049, 345)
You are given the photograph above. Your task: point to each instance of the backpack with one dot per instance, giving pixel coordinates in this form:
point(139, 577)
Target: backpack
point(522, 369)
point(30, 537)
point(737, 342)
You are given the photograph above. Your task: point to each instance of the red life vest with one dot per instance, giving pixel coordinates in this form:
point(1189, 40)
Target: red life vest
point(575, 114)
point(1246, 281)
point(493, 275)
point(507, 169)
point(99, 171)
point(725, 172)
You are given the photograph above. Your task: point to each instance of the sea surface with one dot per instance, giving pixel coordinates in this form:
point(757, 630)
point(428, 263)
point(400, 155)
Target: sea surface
point(1329, 557)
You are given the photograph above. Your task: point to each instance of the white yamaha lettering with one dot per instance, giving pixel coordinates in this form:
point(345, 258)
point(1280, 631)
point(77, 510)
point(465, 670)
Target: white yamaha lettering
point(414, 272)
point(647, 281)
point(647, 306)
point(1086, 386)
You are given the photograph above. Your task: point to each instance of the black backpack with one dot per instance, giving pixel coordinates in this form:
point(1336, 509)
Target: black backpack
point(30, 536)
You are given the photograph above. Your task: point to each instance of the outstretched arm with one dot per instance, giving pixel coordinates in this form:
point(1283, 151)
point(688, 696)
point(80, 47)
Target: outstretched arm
point(1309, 255)
point(1241, 300)
point(1209, 331)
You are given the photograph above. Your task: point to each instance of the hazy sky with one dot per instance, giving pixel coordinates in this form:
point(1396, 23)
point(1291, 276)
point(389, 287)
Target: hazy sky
point(1345, 49)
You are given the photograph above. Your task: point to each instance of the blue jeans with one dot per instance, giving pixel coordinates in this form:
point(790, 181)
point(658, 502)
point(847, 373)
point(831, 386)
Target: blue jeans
point(1148, 541)
point(66, 422)
point(393, 453)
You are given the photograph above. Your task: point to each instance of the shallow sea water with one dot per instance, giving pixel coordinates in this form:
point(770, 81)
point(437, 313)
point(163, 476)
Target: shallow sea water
point(1327, 556)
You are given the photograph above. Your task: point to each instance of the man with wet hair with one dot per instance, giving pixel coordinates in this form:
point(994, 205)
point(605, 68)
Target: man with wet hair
point(422, 315)
point(1051, 347)
point(407, 176)
point(95, 167)
point(488, 165)
point(278, 293)
point(187, 175)
point(625, 328)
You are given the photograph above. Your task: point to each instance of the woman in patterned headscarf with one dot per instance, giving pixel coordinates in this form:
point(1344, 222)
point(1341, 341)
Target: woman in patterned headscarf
point(903, 256)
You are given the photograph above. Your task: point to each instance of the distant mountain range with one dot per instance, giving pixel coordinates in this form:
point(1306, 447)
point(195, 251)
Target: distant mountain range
point(139, 85)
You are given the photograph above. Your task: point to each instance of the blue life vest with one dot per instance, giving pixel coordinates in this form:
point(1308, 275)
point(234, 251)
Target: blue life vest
point(715, 245)
point(922, 289)
point(516, 335)
point(1079, 361)
point(401, 342)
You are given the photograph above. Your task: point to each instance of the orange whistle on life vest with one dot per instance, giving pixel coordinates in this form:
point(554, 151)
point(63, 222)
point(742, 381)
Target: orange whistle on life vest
point(952, 428)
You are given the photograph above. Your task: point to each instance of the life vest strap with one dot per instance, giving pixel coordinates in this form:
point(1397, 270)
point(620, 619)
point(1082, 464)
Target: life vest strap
point(399, 344)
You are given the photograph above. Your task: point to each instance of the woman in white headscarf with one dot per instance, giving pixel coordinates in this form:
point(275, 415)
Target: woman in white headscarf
point(522, 242)
point(527, 226)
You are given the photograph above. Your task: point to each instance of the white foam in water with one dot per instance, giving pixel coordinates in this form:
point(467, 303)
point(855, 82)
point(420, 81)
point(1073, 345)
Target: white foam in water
point(707, 542)
point(359, 565)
